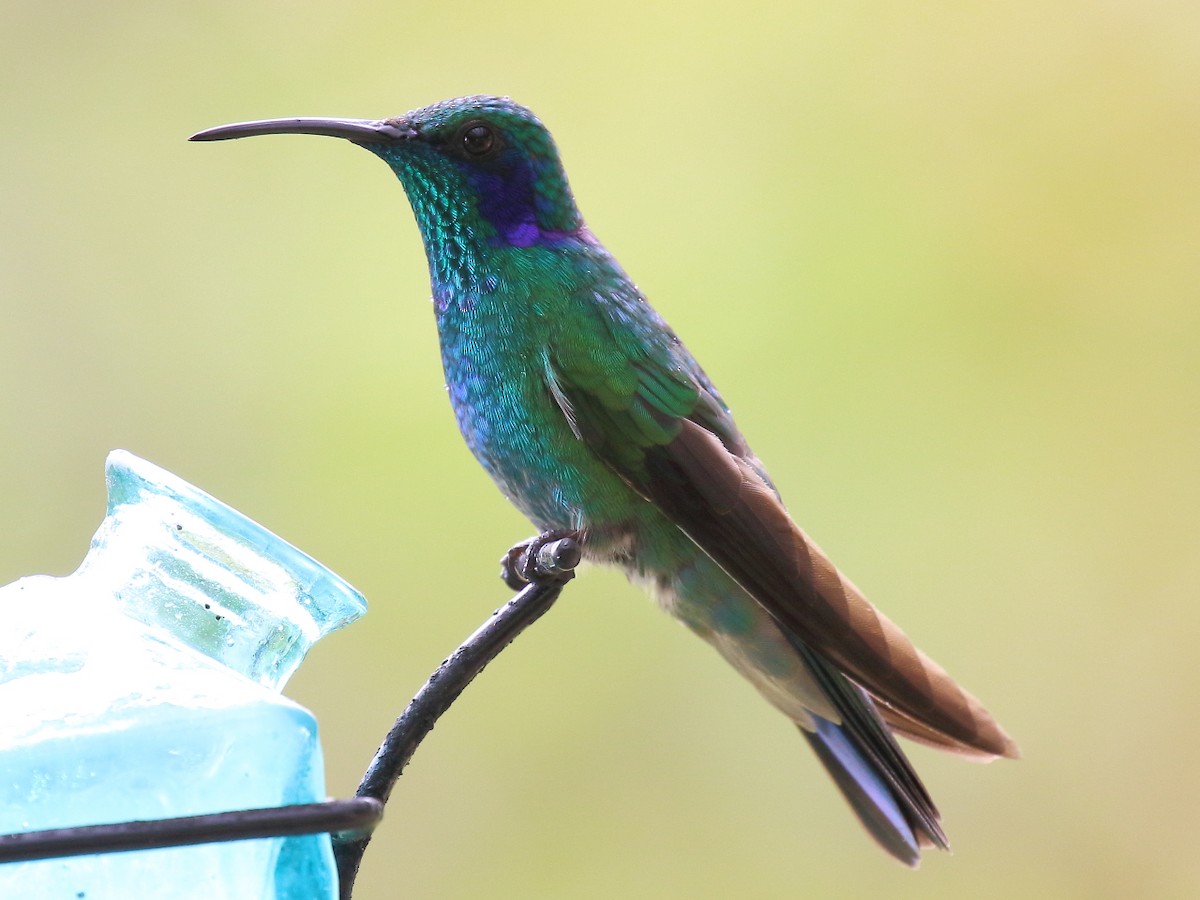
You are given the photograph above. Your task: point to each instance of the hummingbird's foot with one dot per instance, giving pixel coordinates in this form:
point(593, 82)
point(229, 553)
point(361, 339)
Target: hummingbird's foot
point(550, 555)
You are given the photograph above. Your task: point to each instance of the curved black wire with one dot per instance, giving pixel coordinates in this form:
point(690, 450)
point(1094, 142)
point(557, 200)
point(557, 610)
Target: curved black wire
point(545, 564)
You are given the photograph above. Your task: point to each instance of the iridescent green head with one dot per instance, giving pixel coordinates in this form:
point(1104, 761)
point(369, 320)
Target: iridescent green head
point(475, 169)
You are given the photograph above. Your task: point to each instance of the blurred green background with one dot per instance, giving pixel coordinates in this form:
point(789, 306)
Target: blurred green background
point(942, 260)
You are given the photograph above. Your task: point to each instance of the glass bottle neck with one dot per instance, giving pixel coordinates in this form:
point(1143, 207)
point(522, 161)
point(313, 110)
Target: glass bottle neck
point(204, 575)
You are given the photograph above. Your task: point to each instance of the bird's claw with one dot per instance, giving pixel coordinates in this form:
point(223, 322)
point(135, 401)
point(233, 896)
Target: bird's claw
point(552, 555)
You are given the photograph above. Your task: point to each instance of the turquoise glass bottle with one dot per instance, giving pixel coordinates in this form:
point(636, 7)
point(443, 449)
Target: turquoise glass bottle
point(146, 685)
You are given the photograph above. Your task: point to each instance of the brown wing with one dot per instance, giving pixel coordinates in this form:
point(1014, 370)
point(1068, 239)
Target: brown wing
point(726, 507)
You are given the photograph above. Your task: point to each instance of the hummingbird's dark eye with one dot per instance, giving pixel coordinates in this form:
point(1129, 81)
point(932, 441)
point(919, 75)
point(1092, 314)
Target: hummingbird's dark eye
point(478, 140)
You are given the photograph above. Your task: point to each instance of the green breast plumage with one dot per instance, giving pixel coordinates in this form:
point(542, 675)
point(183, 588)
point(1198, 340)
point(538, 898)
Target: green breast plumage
point(499, 338)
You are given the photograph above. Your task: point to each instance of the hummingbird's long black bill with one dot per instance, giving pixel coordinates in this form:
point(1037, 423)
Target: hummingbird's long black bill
point(360, 131)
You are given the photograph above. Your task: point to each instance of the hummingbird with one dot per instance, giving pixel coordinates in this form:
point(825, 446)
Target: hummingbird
point(595, 420)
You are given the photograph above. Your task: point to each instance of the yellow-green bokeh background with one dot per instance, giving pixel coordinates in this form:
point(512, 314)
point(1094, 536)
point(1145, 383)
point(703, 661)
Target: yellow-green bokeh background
point(943, 261)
